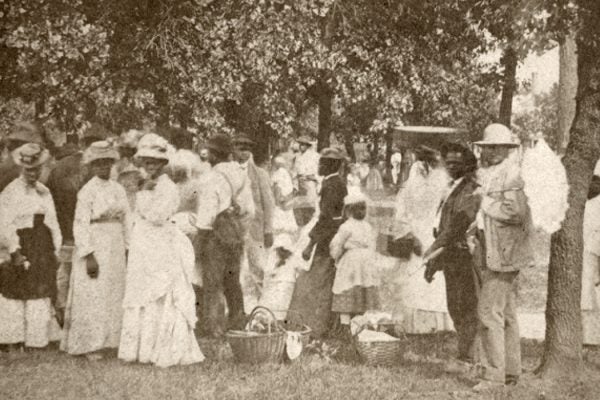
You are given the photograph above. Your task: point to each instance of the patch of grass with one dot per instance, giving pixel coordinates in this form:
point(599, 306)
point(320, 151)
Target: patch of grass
point(53, 375)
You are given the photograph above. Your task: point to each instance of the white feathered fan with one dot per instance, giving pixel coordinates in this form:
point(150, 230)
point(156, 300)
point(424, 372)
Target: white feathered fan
point(546, 186)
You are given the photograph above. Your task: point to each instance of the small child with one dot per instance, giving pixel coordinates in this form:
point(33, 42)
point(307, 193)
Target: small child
point(355, 288)
point(280, 276)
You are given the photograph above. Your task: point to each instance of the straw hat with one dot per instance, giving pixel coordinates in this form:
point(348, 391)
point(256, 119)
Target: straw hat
point(130, 138)
point(152, 145)
point(30, 155)
point(333, 153)
point(355, 198)
point(497, 135)
point(100, 150)
point(305, 140)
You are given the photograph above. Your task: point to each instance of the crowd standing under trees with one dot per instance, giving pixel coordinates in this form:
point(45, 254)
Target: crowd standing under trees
point(260, 68)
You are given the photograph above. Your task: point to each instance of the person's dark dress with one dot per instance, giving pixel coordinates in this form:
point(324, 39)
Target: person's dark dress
point(311, 301)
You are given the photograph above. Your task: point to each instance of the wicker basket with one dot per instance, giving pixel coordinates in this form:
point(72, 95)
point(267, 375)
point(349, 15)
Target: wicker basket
point(379, 353)
point(383, 353)
point(255, 347)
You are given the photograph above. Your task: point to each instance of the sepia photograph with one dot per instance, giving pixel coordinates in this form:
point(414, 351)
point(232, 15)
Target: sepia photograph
point(299, 199)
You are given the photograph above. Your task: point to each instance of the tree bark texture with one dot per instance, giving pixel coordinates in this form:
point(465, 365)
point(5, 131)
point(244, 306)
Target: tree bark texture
point(567, 89)
point(389, 142)
point(509, 61)
point(563, 345)
point(325, 102)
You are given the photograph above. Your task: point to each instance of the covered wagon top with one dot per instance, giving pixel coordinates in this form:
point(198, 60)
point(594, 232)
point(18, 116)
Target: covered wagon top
point(434, 136)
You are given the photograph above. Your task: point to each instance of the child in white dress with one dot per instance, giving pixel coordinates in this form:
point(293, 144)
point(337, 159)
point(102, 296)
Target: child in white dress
point(280, 276)
point(355, 288)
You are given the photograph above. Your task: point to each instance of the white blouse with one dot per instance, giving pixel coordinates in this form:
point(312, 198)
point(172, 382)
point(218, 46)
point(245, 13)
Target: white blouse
point(19, 202)
point(99, 200)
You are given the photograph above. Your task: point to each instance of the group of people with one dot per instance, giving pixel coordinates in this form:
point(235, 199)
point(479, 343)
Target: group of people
point(138, 245)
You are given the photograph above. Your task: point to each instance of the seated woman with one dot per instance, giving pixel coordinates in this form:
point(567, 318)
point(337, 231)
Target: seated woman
point(159, 304)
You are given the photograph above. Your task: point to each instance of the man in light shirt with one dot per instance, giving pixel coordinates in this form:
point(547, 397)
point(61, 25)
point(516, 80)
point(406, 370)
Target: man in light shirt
point(224, 188)
point(505, 234)
point(307, 171)
point(260, 233)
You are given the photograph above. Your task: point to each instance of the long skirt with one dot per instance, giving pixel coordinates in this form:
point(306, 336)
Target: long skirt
point(311, 301)
point(27, 321)
point(356, 300)
point(94, 309)
point(159, 333)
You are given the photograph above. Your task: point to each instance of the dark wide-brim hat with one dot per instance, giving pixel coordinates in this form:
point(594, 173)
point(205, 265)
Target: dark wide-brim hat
point(244, 142)
point(220, 143)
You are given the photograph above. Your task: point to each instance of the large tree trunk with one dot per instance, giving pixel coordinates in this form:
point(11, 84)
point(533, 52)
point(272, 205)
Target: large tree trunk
point(509, 61)
point(349, 145)
point(325, 101)
point(389, 142)
point(563, 345)
point(567, 89)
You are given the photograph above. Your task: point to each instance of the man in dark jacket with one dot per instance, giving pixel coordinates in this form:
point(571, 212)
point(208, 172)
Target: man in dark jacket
point(456, 213)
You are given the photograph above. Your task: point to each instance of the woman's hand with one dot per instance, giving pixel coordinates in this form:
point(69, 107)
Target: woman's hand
point(17, 259)
point(307, 252)
point(92, 266)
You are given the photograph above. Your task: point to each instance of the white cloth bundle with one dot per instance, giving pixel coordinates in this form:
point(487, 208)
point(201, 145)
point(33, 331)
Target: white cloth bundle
point(546, 187)
point(372, 336)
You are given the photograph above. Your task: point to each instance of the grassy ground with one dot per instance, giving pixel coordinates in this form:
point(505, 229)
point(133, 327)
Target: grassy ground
point(52, 375)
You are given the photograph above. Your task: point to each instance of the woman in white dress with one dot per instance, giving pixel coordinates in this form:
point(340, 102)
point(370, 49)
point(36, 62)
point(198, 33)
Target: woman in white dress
point(94, 310)
point(421, 306)
point(284, 222)
point(28, 281)
point(590, 286)
point(159, 304)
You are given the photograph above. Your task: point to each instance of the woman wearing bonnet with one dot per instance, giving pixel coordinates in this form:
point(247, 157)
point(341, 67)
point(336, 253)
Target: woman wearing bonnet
point(159, 304)
point(28, 281)
point(101, 230)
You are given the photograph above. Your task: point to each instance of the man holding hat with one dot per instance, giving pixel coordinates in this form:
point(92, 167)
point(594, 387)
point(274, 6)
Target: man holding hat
point(260, 232)
point(504, 235)
point(65, 180)
point(23, 132)
point(306, 166)
point(225, 207)
point(311, 301)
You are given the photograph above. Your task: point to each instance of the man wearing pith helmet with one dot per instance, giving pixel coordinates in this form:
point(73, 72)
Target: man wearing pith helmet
point(504, 234)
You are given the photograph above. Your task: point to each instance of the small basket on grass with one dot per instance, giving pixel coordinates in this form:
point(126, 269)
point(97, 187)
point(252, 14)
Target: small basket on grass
point(263, 339)
point(295, 327)
point(375, 346)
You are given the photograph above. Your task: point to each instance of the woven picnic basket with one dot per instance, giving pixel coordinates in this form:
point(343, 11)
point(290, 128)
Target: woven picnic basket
point(258, 347)
point(381, 353)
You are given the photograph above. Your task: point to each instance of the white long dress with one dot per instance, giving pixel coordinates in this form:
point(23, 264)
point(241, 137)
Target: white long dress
point(404, 292)
point(590, 304)
point(159, 304)
point(283, 220)
point(94, 311)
